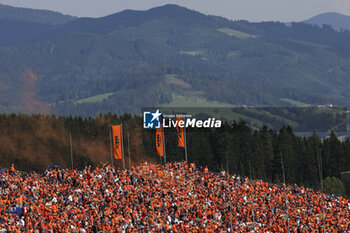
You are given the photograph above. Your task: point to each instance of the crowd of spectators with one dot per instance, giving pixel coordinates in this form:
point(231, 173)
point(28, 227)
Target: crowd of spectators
point(175, 197)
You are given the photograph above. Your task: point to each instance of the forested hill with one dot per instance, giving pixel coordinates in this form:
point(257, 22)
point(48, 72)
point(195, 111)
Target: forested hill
point(336, 20)
point(168, 55)
point(33, 15)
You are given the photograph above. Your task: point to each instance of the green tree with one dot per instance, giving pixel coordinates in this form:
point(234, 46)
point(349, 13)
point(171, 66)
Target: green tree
point(334, 186)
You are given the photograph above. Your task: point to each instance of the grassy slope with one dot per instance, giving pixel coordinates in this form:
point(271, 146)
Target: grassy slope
point(183, 101)
point(94, 99)
point(236, 33)
point(295, 103)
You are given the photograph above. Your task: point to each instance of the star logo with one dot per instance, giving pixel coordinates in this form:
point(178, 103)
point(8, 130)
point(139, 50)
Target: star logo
point(151, 120)
point(156, 115)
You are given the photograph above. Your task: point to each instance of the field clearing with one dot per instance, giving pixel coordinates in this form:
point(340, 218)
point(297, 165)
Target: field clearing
point(235, 33)
point(309, 43)
point(183, 101)
point(265, 114)
point(173, 79)
point(94, 99)
point(192, 53)
point(234, 54)
point(295, 103)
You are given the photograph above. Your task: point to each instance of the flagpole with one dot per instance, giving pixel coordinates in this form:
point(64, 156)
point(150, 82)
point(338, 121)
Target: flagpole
point(185, 144)
point(129, 151)
point(282, 164)
point(226, 162)
point(121, 129)
point(319, 163)
point(160, 160)
point(164, 145)
point(111, 143)
point(71, 148)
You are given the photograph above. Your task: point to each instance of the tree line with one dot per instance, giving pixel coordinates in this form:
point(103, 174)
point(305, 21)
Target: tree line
point(33, 142)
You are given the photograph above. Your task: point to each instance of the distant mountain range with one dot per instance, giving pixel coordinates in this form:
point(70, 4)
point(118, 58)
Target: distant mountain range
point(169, 56)
point(336, 20)
point(32, 15)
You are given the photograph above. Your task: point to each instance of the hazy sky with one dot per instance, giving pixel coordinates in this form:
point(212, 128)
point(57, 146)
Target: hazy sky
point(252, 10)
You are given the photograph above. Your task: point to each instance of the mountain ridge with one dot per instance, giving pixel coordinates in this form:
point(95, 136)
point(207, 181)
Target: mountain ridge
point(33, 15)
point(102, 25)
point(336, 20)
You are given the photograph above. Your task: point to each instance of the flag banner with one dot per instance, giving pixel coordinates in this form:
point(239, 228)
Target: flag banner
point(159, 141)
point(117, 142)
point(180, 132)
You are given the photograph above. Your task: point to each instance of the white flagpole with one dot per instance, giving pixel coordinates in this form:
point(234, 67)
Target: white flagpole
point(185, 144)
point(111, 143)
point(129, 151)
point(71, 148)
point(121, 129)
point(164, 145)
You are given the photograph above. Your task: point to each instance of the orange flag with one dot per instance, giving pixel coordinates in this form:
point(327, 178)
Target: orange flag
point(180, 133)
point(159, 141)
point(117, 142)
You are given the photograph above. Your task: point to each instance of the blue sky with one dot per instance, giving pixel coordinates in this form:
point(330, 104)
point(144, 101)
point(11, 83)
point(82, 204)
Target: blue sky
point(252, 10)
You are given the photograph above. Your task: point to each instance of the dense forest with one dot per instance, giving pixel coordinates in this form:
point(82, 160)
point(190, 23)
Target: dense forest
point(33, 142)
